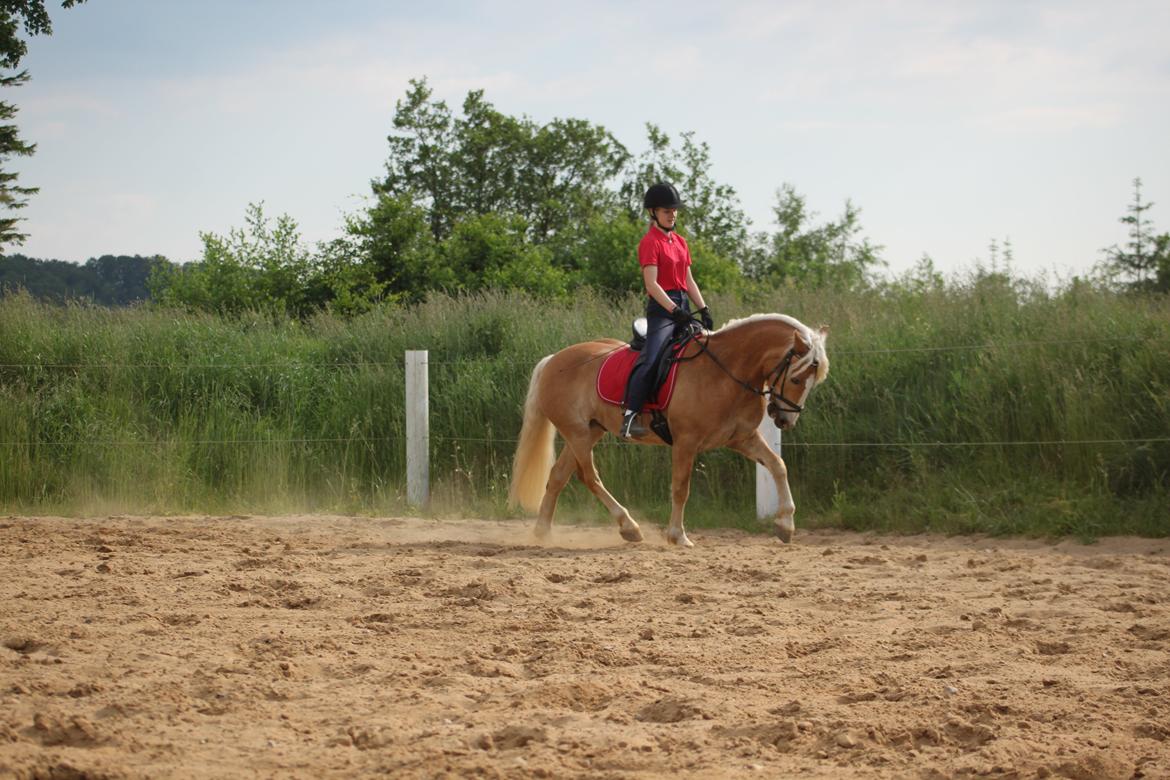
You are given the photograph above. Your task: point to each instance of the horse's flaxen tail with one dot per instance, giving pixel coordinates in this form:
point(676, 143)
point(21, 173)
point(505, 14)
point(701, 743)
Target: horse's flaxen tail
point(534, 453)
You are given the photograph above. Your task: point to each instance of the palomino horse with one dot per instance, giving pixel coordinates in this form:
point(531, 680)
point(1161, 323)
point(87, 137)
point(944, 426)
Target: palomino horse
point(767, 362)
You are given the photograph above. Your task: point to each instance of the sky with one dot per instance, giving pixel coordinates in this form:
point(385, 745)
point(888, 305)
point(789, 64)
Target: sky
point(949, 124)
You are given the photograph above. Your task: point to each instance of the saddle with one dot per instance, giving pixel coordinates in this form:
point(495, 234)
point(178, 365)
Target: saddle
point(615, 371)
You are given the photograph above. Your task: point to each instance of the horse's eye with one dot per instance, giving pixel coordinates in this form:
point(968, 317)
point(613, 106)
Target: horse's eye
point(797, 381)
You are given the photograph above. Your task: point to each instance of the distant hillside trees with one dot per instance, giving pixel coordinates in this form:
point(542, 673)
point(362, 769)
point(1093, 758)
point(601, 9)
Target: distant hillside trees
point(108, 280)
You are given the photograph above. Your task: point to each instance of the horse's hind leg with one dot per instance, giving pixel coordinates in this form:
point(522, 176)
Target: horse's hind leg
point(758, 450)
point(562, 470)
point(582, 445)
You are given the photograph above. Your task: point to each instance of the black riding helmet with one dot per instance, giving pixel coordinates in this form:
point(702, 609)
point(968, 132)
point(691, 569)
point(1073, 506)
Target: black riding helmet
point(662, 196)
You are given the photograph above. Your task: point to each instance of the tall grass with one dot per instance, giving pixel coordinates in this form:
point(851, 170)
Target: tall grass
point(148, 410)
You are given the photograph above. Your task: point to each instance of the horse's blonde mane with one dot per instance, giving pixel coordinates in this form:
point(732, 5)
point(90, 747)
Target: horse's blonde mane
point(817, 352)
point(792, 321)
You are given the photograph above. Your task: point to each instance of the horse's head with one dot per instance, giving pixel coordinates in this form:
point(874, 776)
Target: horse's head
point(804, 366)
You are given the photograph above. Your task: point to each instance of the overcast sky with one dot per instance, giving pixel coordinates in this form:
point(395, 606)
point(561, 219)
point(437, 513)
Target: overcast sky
point(948, 123)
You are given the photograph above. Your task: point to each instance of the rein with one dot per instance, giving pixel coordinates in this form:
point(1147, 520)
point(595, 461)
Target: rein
point(777, 376)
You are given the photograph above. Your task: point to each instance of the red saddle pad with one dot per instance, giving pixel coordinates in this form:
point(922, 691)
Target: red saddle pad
point(615, 371)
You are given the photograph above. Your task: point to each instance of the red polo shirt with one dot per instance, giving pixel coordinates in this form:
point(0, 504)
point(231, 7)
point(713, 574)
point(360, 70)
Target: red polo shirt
point(669, 252)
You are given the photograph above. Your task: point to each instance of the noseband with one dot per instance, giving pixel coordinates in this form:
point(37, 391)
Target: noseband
point(781, 374)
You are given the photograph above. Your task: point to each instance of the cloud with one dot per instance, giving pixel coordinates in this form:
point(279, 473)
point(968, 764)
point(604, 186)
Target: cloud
point(1052, 119)
point(902, 55)
point(834, 97)
point(51, 105)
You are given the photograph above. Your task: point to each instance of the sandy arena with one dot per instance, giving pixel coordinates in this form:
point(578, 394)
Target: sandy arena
point(316, 646)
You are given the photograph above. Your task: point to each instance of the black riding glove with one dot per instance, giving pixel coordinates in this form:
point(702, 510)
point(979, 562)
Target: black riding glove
point(680, 315)
point(706, 318)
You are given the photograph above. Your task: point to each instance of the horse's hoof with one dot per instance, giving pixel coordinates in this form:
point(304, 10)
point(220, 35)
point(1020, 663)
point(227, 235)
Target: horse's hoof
point(632, 534)
point(680, 539)
point(541, 530)
point(784, 531)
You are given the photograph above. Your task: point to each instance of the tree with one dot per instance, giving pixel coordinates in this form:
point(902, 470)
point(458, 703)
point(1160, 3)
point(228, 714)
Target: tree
point(394, 238)
point(261, 267)
point(342, 280)
point(832, 254)
point(123, 279)
point(52, 280)
point(570, 165)
point(265, 267)
point(711, 211)
point(607, 255)
point(489, 251)
point(421, 152)
point(1144, 263)
point(486, 162)
point(35, 20)
point(108, 280)
point(451, 171)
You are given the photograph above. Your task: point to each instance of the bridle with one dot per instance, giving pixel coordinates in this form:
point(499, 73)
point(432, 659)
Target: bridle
point(778, 376)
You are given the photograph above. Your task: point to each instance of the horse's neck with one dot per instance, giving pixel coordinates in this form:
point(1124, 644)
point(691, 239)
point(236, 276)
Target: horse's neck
point(753, 349)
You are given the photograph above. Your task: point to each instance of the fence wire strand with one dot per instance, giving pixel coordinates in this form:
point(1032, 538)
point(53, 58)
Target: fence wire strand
point(530, 363)
point(512, 441)
point(494, 440)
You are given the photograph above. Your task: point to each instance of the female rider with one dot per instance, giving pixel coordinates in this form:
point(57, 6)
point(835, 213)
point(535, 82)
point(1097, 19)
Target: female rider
point(666, 274)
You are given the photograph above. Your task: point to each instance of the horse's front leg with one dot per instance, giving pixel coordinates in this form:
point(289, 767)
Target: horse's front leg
point(758, 450)
point(682, 462)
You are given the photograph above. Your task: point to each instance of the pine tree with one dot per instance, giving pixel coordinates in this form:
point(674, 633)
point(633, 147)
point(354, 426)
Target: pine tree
point(35, 21)
point(1145, 260)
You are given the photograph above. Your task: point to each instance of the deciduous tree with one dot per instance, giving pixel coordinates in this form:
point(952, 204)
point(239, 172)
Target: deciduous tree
point(833, 254)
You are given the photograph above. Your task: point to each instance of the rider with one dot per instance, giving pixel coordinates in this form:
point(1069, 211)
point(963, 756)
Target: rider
point(666, 274)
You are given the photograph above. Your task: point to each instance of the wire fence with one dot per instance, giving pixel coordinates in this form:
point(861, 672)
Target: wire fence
point(530, 363)
point(512, 441)
point(509, 441)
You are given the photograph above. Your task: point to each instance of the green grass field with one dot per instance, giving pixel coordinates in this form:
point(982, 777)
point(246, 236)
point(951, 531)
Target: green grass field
point(957, 408)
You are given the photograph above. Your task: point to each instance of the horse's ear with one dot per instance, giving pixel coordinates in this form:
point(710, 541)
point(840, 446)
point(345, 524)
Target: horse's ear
point(798, 340)
point(824, 332)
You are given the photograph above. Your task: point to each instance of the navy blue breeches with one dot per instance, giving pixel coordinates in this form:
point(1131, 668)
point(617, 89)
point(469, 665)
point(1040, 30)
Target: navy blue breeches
point(659, 329)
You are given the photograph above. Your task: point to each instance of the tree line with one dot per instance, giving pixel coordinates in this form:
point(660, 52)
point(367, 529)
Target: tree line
point(476, 199)
point(109, 280)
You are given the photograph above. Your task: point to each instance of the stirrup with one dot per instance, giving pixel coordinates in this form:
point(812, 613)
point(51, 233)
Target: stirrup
point(631, 427)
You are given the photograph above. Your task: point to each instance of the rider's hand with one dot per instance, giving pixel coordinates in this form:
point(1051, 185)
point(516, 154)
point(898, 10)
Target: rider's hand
point(680, 315)
point(706, 318)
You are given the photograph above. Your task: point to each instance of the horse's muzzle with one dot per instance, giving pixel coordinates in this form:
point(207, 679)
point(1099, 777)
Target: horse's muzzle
point(783, 420)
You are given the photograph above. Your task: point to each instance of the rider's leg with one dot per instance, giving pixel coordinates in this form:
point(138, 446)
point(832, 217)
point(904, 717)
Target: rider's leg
point(638, 389)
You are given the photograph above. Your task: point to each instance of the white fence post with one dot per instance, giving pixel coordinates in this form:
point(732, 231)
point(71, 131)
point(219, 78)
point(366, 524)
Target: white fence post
point(418, 434)
point(767, 499)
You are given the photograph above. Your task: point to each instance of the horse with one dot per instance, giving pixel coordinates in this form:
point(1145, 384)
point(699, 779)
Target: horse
point(765, 363)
